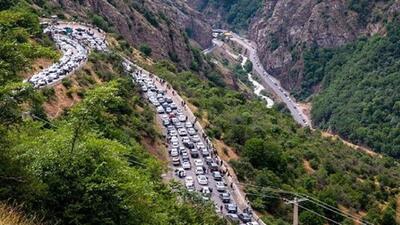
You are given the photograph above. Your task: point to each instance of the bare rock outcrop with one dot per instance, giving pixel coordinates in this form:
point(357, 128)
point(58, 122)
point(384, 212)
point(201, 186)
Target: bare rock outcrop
point(164, 25)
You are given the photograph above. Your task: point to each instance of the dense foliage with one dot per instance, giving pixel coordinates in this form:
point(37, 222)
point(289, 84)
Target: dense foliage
point(275, 151)
point(360, 99)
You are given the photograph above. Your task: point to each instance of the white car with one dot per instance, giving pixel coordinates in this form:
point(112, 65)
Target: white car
point(199, 170)
point(220, 186)
point(189, 181)
point(195, 138)
point(200, 145)
point(182, 118)
point(186, 165)
point(198, 162)
point(202, 180)
point(182, 132)
point(174, 152)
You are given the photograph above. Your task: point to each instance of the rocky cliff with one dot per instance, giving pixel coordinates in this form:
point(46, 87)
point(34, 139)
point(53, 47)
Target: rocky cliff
point(164, 25)
point(284, 29)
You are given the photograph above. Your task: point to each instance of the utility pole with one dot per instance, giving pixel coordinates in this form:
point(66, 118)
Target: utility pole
point(295, 203)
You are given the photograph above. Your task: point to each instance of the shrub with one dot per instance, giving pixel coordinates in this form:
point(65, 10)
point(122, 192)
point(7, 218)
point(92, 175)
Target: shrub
point(145, 49)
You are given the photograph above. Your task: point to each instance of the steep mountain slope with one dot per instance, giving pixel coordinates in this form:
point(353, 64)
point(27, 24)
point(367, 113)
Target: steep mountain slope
point(360, 97)
point(235, 14)
point(164, 26)
point(284, 29)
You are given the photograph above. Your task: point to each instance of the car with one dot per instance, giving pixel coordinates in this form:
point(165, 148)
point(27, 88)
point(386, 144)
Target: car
point(186, 165)
point(198, 162)
point(233, 218)
point(160, 110)
point(185, 139)
point(180, 172)
point(200, 145)
point(168, 110)
point(189, 144)
point(165, 122)
point(179, 125)
point(191, 131)
point(176, 161)
point(174, 152)
point(199, 170)
point(173, 138)
point(217, 176)
point(173, 133)
point(225, 197)
point(213, 167)
point(182, 118)
point(231, 208)
point(194, 153)
point(189, 182)
point(202, 180)
point(196, 138)
point(244, 217)
point(188, 124)
point(173, 106)
point(185, 157)
point(175, 144)
point(168, 99)
point(182, 132)
point(252, 223)
point(205, 152)
point(220, 186)
point(206, 192)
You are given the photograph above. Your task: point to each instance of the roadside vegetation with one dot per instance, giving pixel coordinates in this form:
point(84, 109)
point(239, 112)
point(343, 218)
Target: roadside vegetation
point(360, 98)
point(274, 152)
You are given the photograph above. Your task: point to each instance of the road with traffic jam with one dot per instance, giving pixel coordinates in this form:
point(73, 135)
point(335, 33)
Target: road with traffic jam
point(74, 41)
point(193, 159)
point(192, 156)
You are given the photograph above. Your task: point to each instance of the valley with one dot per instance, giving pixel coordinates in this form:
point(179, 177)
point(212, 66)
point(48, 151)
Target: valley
point(199, 112)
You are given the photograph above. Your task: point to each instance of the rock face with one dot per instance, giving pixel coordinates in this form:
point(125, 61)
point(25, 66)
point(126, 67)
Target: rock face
point(283, 29)
point(161, 24)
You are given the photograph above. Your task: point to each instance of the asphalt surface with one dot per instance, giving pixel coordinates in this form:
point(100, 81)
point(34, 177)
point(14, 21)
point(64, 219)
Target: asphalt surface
point(144, 78)
point(268, 80)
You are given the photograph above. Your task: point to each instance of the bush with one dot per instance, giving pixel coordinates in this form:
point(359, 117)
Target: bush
point(145, 49)
point(67, 83)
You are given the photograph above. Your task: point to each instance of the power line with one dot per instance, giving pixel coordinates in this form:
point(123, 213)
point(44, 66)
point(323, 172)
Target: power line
point(320, 215)
point(303, 207)
point(315, 201)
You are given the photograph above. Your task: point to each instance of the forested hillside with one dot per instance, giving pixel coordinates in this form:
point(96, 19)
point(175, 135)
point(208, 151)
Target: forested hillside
point(360, 99)
point(276, 153)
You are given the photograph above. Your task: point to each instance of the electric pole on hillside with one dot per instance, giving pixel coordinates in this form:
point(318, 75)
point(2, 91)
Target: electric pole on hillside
point(295, 203)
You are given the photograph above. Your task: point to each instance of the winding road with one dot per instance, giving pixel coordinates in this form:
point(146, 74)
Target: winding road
point(268, 81)
point(76, 40)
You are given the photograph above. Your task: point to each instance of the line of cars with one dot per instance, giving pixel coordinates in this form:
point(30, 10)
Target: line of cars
point(193, 159)
point(74, 45)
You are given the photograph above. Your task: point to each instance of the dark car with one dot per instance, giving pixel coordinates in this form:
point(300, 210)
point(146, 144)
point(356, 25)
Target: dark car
point(213, 167)
point(194, 153)
point(217, 176)
point(231, 208)
point(244, 217)
point(225, 197)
